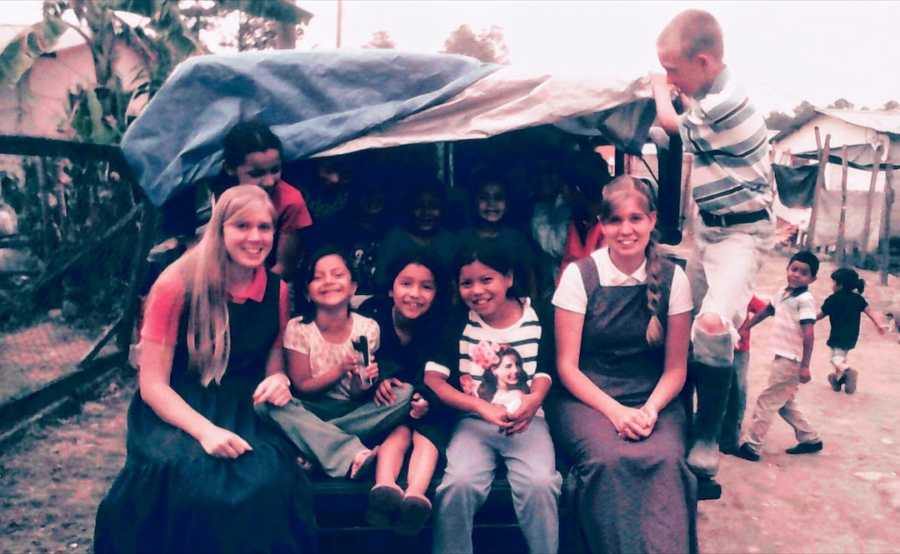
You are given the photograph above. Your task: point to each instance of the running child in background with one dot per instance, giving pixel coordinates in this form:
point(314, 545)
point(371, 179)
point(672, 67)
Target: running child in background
point(795, 315)
point(253, 156)
point(843, 309)
point(326, 351)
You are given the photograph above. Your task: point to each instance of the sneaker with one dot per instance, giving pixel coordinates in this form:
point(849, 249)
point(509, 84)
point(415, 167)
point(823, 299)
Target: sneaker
point(746, 452)
point(806, 447)
point(835, 381)
point(851, 376)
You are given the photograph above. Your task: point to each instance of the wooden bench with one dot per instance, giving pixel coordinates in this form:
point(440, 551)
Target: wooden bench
point(340, 507)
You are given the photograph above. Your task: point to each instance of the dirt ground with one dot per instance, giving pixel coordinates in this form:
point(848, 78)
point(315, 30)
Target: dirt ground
point(844, 499)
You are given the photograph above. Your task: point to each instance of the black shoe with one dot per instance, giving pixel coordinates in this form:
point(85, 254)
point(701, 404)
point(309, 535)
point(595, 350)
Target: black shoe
point(747, 453)
point(850, 379)
point(806, 448)
point(836, 381)
point(728, 449)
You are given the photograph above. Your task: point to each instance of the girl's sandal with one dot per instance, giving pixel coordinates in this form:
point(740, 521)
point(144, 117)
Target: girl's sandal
point(413, 515)
point(360, 467)
point(385, 502)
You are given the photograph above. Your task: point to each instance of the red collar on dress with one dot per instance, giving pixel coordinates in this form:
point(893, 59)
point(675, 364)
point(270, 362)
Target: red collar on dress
point(255, 290)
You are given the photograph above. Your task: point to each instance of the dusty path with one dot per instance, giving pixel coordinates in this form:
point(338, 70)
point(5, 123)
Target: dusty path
point(845, 499)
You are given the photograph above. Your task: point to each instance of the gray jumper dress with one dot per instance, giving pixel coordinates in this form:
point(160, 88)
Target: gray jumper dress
point(623, 496)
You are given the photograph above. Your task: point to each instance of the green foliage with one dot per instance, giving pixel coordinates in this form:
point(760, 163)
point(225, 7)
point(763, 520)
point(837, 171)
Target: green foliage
point(381, 40)
point(487, 46)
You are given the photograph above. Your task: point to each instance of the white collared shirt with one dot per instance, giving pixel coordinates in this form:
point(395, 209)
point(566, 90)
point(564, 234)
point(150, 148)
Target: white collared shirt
point(571, 295)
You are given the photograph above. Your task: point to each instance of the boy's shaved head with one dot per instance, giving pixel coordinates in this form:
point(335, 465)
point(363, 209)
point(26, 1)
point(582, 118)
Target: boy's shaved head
point(693, 32)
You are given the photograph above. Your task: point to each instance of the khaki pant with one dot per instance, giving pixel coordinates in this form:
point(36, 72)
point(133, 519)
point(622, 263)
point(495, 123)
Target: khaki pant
point(778, 396)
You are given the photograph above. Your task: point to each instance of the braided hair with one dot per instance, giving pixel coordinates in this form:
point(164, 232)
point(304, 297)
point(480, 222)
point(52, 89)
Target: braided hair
point(614, 193)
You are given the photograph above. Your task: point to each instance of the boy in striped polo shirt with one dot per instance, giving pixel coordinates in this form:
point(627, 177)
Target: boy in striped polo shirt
point(795, 317)
point(730, 184)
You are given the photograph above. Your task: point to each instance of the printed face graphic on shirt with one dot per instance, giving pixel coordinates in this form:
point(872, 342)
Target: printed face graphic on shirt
point(331, 285)
point(413, 291)
point(248, 236)
point(262, 169)
point(502, 378)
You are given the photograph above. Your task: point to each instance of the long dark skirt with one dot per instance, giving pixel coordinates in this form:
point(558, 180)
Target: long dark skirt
point(173, 497)
point(624, 496)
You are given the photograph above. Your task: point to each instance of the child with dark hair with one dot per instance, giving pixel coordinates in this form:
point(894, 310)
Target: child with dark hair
point(366, 230)
point(409, 315)
point(253, 156)
point(587, 174)
point(486, 432)
point(329, 353)
point(421, 213)
point(795, 315)
point(843, 309)
point(492, 209)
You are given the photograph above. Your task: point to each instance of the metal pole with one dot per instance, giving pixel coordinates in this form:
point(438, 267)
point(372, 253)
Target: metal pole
point(340, 21)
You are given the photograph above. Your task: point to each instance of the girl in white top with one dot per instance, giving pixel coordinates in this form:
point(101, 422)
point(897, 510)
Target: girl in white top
point(329, 352)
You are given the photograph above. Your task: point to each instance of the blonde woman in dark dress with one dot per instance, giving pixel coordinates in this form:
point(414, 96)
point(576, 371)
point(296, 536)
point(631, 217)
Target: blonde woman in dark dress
point(203, 472)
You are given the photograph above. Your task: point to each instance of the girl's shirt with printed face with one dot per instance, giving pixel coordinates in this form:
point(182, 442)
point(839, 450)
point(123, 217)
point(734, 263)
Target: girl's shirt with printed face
point(323, 355)
point(496, 365)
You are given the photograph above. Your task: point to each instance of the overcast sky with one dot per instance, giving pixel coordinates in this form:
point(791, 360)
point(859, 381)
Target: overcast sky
point(783, 52)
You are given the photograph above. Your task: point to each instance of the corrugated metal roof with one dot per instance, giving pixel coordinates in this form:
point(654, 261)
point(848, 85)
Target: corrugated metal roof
point(883, 121)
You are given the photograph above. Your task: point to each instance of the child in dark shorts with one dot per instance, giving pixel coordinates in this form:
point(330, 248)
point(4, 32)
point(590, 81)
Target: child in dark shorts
point(843, 309)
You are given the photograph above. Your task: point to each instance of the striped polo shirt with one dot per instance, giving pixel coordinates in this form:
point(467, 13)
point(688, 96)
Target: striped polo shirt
point(792, 308)
point(729, 141)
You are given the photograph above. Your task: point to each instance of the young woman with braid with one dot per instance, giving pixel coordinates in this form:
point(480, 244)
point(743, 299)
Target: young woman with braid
point(623, 316)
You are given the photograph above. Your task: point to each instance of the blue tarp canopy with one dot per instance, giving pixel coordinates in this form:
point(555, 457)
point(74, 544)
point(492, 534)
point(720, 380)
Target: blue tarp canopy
point(329, 103)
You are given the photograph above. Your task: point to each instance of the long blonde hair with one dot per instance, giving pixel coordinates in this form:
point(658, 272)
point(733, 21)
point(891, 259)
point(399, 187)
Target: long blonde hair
point(614, 193)
point(204, 270)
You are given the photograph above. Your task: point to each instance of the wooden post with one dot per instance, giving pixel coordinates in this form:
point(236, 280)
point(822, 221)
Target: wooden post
point(41, 174)
point(841, 246)
point(886, 228)
point(824, 153)
point(870, 200)
point(146, 233)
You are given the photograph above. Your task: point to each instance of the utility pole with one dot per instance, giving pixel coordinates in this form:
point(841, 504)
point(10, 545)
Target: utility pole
point(340, 18)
